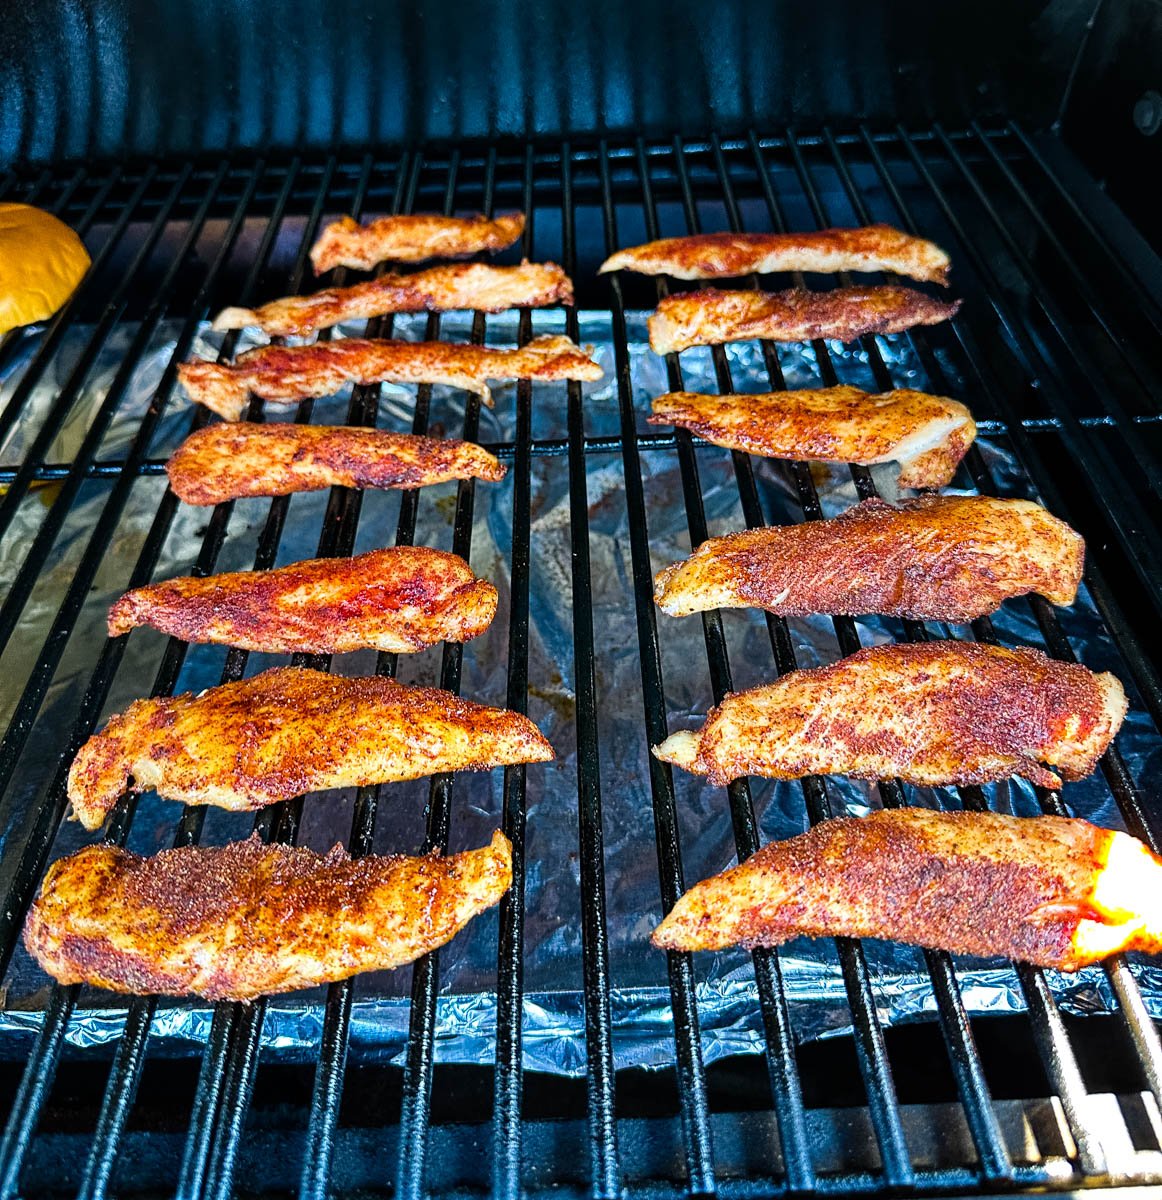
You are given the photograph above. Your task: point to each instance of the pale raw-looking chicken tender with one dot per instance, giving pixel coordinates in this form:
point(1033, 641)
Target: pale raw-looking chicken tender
point(929, 713)
point(245, 920)
point(711, 317)
point(229, 462)
point(288, 374)
point(398, 600)
point(707, 255)
point(930, 558)
point(1053, 891)
point(411, 238)
point(288, 731)
point(927, 435)
point(447, 288)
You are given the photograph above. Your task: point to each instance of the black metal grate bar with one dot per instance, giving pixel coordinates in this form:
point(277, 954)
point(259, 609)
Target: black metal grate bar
point(419, 1062)
point(508, 1083)
point(328, 1085)
point(1042, 389)
point(691, 1072)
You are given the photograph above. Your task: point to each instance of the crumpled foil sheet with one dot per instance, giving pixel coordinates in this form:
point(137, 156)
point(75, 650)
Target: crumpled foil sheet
point(553, 1016)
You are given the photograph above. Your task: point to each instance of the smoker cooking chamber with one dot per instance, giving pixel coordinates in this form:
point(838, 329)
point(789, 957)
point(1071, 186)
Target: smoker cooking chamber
point(1057, 343)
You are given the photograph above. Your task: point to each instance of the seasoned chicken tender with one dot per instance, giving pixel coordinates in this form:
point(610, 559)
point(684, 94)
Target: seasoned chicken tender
point(706, 255)
point(931, 558)
point(411, 238)
point(398, 600)
point(927, 435)
point(289, 731)
point(288, 374)
point(929, 713)
point(1052, 891)
point(245, 920)
point(228, 462)
point(711, 317)
point(447, 288)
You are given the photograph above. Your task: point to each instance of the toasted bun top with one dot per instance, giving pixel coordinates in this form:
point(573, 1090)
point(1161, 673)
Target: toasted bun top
point(41, 262)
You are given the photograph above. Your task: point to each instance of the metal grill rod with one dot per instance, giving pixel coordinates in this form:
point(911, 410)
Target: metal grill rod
point(419, 1061)
point(327, 1092)
point(605, 1167)
point(508, 1077)
point(693, 1099)
point(781, 1066)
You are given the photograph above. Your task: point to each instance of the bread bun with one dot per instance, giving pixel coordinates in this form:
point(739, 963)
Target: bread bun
point(41, 262)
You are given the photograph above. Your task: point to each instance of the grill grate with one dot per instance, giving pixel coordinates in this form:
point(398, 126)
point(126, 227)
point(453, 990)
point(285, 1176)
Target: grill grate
point(1057, 345)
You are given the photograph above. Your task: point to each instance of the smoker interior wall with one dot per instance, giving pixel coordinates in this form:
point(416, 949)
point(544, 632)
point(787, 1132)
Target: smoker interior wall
point(101, 78)
point(1114, 118)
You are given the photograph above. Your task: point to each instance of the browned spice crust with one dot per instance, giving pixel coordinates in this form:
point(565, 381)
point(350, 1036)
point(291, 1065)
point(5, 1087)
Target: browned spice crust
point(710, 316)
point(707, 255)
point(227, 462)
point(446, 288)
point(243, 920)
point(400, 599)
point(967, 882)
point(286, 374)
point(411, 238)
point(929, 558)
point(929, 713)
point(289, 731)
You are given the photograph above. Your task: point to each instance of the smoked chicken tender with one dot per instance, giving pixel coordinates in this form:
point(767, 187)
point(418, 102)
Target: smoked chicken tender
point(931, 558)
point(290, 730)
point(446, 288)
point(398, 600)
point(711, 317)
point(929, 713)
point(927, 435)
point(288, 374)
point(1053, 891)
point(707, 255)
point(244, 920)
point(228, 462)
point(410, 239)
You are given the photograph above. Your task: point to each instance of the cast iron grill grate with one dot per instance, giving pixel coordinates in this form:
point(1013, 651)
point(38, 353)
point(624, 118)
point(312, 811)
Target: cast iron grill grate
point(1058, 346)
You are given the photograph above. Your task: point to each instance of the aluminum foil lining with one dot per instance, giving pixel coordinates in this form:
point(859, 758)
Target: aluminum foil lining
point(553, 1016)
